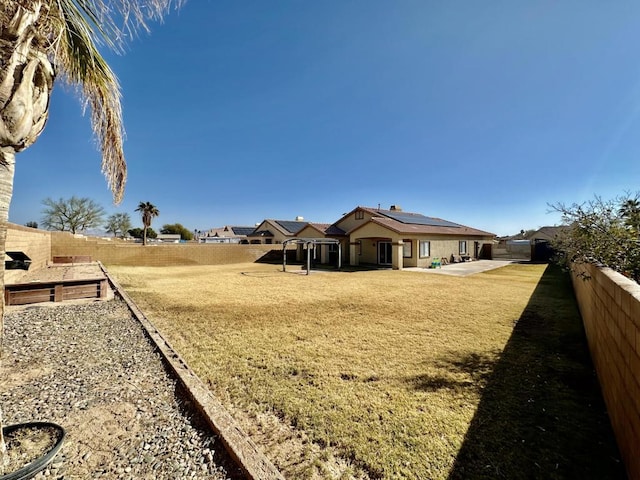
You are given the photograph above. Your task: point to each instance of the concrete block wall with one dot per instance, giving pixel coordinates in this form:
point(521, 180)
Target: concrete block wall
point(36, 244)
point(610, 307)
point(156, 255)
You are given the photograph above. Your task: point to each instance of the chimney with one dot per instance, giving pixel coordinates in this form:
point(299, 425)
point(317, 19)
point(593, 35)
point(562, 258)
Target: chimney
point(395, 208)
point(299, 219)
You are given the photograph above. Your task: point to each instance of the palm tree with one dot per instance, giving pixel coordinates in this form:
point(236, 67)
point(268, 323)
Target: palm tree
point(148, 211)
point(44, 39)
point(630, 211)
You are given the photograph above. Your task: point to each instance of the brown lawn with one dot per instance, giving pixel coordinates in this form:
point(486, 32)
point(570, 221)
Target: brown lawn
point(391, 374)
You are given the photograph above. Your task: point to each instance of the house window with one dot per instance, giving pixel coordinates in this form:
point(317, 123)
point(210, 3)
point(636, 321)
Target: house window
point(407, 248)
point(463, 247)
point(425, 248)
point(359, 215)
point(333, 247)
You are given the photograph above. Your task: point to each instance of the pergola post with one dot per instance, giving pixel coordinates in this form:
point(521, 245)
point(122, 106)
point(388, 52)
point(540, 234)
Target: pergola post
point(309, 244)
point(284, 256)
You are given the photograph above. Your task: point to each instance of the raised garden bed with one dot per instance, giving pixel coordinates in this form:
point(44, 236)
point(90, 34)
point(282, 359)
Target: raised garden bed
point(55, 291)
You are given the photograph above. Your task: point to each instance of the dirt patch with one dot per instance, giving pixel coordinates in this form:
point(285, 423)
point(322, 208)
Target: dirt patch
point(98, 432)
point(12, 378)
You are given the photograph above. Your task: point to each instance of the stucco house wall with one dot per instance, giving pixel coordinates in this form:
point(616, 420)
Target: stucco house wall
point(370, 234)
point(349, 221)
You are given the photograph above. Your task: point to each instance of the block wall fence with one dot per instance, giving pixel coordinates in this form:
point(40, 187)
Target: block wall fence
point(156, 255)
point(610, 307)
point(41, 246)
point(36, 244)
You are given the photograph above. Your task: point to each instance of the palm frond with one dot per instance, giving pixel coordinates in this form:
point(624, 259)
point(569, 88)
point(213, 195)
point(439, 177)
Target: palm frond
point(78, 28)
point(81, 64)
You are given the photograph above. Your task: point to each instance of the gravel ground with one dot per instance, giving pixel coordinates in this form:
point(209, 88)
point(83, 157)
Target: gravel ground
point(90, 368)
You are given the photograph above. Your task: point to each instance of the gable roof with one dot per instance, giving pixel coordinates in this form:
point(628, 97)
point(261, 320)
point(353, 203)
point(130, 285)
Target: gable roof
point(548, 232)
point(229, 230)
point(326, 228)
point(415, 223)
point(242, 230)
point(285, 227)
point(334, 230)
point(292, 226)
point(409, 228)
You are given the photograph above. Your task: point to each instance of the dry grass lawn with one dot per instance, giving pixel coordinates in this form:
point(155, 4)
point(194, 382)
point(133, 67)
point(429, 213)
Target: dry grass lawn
point(387, 374)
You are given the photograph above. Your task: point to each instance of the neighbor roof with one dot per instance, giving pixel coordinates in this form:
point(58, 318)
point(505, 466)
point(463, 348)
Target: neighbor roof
point(242, 230)
point(228, 230)
point(550, 231)
point(289, 227)
point(326, 228)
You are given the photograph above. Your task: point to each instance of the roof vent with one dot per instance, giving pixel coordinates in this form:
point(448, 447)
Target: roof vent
point(395, 208)
point(299, 219)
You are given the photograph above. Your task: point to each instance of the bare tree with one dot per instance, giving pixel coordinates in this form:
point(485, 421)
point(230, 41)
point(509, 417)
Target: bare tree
point(118, 223)
point(71, 215)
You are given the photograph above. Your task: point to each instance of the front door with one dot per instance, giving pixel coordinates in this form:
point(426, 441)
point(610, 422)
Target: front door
point(384, 253)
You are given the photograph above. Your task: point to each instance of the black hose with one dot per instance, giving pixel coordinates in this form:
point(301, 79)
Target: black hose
point(39, 464)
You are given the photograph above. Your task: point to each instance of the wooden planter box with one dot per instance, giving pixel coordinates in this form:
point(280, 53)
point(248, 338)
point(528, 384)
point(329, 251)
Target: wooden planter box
point(57, 291)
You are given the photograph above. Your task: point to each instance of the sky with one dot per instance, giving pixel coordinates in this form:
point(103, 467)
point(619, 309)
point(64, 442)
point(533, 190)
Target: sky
point(481, 113)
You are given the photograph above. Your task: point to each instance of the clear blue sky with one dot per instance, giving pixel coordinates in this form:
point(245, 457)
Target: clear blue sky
point(481, 113)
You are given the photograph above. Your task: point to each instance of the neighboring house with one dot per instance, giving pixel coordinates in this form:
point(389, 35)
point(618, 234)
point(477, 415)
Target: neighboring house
point(168, 237)
point(547, 233)
point(227, 234)
point(542, 242)
point(276, 231)
point(400, 239)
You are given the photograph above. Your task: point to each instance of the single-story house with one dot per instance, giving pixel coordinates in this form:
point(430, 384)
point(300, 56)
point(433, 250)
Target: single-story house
point(548, 233)
point(276, 231)
point(169, 237)
point(542, 241)
point(399, 239)
point(226, 234)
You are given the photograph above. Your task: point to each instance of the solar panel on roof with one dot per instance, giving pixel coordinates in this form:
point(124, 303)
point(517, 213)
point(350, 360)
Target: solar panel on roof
point(417, 219)
point(291, 225)
point(242, 230)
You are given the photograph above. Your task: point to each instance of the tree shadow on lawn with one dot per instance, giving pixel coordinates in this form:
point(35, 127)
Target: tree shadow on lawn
point(541, 414)
point(475, 367)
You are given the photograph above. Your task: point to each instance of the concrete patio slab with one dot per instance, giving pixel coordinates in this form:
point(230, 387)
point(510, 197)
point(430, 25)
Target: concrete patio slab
point(465, 269)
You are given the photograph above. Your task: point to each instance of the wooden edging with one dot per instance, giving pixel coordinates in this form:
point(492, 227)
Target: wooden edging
point(254, 464)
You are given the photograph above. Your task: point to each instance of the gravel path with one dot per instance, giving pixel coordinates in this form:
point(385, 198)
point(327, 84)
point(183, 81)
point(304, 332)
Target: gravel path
point(90, 368)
